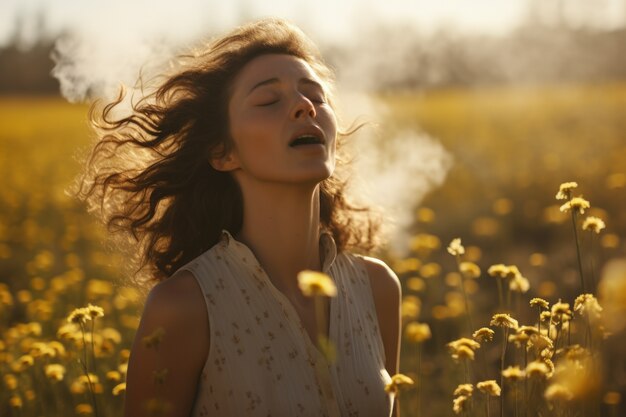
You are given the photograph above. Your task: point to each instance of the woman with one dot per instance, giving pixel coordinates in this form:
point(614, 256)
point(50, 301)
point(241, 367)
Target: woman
point(226, 177)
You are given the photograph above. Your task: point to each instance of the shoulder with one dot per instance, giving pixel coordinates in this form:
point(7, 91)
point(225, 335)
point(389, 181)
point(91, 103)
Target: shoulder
point(175, 320)
point(176, 300)
point(384, 282)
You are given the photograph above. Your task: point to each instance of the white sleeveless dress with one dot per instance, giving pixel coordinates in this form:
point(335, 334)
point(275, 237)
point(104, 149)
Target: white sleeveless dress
point(261, 359)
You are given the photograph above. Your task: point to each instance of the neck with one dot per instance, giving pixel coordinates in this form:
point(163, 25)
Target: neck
point(281, 227)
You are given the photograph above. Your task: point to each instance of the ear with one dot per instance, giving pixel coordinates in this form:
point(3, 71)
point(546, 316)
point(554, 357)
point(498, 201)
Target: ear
point(224, 162)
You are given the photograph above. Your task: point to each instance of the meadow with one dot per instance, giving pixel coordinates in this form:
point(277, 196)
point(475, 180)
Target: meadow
point(467, 309)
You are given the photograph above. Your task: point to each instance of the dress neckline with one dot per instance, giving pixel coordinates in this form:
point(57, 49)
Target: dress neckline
point(328, 254)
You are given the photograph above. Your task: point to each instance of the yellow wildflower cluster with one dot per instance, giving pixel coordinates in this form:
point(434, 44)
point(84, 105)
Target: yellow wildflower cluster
point(82, 314)
point(484, 334)
point(593, 224)
point(417, 332)
point(576, 204)
point(456, 248)
point(489, 387)
point(463, 348)
point(398, 382)
point(504, 320)
point(313, 283)
point(565, 190)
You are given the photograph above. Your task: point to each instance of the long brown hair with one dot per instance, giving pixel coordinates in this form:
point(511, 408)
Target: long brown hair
point(148, 174)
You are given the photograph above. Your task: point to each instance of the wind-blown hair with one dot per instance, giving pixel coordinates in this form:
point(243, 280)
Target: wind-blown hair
point(149, 177)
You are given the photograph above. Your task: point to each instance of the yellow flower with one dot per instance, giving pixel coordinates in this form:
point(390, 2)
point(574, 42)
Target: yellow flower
point(119, 388)
point(41, 349)
point(489, 387)
point(456, 248)
point(514, 373)
point(576, 203)
point(25, 361)
point(469, 270)
point(417, 332)
point(79, 316)
point(558, 392)
point(313, 283)
point(484, 334)
point(587, 304)
point(539, 302)
point(15, 401)
point(540, 342)
point(424, 243)
point(398, 382)
point(545, 316)
point(464, 389)
point(463, 352)
point(464, 341)
point(519, 284)
point(537, 369)
point(593, 224)
point(10, 381)
point(112, 335)
point(565, 190)
point(410, 307)
point(561, 312)
point(459, 404)
point(57, 347)
point(114, 376)
point(416, 284)
point(528, 330)
point(67, 331)
point(550, 366)
point(499, 270)
point(83, 409)
point(503, 320)
point(153, 340)
point(94, 311)
point(519, 339)
point(55, 371)
point(85, 379)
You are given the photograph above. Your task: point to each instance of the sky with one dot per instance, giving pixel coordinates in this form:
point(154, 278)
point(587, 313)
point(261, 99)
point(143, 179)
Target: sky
point(326, 19)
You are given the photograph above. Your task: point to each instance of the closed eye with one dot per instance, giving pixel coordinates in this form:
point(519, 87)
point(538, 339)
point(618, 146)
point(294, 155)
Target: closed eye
point(267, 104)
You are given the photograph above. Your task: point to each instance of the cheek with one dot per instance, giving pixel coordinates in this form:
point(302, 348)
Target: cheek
point(248, 133)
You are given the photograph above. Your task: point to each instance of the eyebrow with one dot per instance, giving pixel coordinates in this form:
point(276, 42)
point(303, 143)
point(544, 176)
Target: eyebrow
point(275, 80)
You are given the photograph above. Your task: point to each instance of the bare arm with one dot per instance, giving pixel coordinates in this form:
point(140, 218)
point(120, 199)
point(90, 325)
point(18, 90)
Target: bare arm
point(387, 294)
point(177, 306)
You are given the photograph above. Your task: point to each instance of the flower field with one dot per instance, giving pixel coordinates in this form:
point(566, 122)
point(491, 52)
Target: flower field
point(514, 299)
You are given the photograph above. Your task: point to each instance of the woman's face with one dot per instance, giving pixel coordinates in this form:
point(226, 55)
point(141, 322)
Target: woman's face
point(281, 125)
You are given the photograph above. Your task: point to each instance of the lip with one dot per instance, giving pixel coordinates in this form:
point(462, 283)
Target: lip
point(309, 130)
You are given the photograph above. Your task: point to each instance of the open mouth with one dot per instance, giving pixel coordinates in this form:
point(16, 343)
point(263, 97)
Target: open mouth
point(306, 140)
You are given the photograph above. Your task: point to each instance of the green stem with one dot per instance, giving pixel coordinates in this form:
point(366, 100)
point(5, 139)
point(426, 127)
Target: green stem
point(515, 390)
point(500, 296)
point(525, 382)
point(539, 322)
point(467, 309)
point(593, 274)
point(580, 262)
point(93, 348)
point(508, 294)
point(419, 380)
point(86, 370)
point(504, 333)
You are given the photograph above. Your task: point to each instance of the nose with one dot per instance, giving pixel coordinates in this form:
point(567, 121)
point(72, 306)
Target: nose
point(303, 107)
